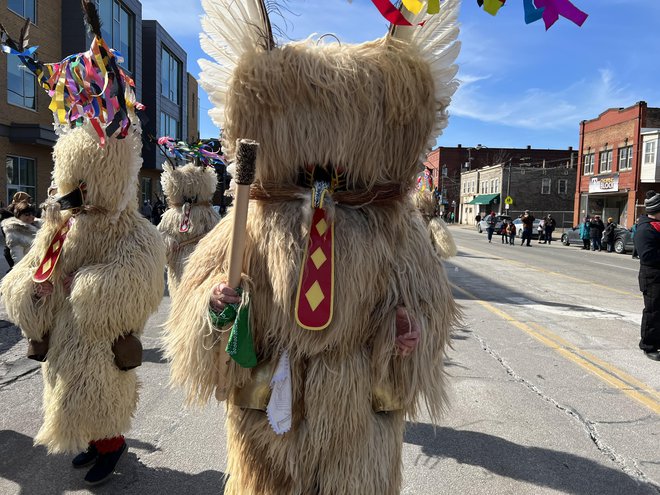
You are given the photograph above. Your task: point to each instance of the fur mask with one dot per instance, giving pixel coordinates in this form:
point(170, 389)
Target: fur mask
point(190, 182)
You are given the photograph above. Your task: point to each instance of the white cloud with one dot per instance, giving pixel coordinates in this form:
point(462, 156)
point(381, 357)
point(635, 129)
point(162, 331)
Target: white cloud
point(537, 108)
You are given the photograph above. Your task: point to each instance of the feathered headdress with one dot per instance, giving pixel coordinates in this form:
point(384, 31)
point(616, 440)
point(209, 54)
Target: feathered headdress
point(232, 29)
point(84, 86)
point(207, 152)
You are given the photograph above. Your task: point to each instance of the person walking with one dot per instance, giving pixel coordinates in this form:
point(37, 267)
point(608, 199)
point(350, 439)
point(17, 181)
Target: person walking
point(584, 233)
point(511, 230)
point(451, 217)
point(647, 243)
point(633, 231)
point(540, 230)
point(528, 225)
point(610, 234)
point(596, 228)
point(491, 220)
point(550, 226)
point(477, 219)
point(504, 233)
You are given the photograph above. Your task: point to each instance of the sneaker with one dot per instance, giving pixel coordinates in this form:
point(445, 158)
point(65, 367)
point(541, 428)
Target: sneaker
point(86, 458)
point(104, 466)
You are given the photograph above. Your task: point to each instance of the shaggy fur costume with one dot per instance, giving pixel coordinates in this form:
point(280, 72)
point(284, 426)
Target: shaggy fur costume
point(438, 230)
point(370, 110)
point(180, 184)
point(118, 259)
point(19, 236)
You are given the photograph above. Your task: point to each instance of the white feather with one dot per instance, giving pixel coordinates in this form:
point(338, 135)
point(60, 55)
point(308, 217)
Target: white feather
point(230, 29)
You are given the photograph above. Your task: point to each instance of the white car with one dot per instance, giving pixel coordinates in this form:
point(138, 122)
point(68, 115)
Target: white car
point(519, 228)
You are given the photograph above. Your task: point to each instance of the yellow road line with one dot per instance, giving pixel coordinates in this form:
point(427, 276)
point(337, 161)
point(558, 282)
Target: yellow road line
point(606, 372)
point(543, 270)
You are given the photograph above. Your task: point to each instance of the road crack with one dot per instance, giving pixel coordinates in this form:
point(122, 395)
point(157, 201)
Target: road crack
point(633, 472)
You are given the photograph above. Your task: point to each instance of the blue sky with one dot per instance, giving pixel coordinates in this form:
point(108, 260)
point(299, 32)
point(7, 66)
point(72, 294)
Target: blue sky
point(520, 85)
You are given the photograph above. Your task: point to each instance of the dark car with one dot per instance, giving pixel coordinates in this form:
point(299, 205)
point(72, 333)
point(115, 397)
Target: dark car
point(483, 224)
point(623, 242)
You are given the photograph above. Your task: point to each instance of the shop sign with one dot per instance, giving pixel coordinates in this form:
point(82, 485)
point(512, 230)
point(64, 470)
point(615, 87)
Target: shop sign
point(604, 183)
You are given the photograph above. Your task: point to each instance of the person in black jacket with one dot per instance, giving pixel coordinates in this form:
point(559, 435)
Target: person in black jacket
point(647, 244)
point(596, 228)
point(610, 234)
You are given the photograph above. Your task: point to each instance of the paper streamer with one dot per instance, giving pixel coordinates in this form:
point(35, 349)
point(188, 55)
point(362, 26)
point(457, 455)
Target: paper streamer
point(279, 408)
point(552, 9)
point(532, 14)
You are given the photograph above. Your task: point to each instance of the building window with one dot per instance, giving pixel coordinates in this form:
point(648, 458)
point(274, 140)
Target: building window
point(24, 8)
point(21, 84)
point(605, 161)
point(546, 184)
point(625, 158)
point(169, 126)
point(118, 29)
point(21, 176)
point(588, 165)
point(497, 186)
point(170, 76)
point(649, 152)
point(562, 186)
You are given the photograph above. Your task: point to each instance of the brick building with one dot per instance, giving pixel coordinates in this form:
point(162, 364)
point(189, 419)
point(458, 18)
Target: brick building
point(618, 163)
point(455, 160)
point(26, 123)
point(543, 188)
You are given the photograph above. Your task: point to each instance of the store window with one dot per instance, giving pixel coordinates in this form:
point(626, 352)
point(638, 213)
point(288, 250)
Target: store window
point(546, 185)
point(170, 76)
point(605, 161)
point(562, 186)
point(625, 158)
point(21, 176)
point(588, 164)
point(24, 8)
point(21, 84)
point(118, 29)
point(145, 189)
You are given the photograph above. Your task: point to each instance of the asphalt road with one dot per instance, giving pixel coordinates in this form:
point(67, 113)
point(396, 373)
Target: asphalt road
point(549, 393)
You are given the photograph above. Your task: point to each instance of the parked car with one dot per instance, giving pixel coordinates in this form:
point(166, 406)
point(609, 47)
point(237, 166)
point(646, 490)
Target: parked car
point(482, 226)
point(519, 228)
point(623, 242)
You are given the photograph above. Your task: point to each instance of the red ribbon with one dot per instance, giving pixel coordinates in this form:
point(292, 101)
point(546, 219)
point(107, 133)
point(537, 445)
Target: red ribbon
point(391, 13)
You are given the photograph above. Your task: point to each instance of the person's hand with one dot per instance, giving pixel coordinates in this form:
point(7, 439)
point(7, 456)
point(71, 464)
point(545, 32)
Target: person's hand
point(43, 289)
point(221, 295)
point(67, 282)
point(407, 332)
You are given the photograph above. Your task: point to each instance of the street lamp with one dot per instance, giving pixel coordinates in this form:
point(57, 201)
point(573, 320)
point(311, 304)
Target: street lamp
point(477, 147)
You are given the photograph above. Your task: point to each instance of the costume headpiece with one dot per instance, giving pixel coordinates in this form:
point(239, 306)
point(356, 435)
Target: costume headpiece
point(207, 152)
point(84, 86)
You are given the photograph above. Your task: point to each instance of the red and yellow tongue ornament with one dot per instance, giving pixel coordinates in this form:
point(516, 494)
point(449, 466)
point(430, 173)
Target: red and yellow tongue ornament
point(185, 219)
point(49, 261)
point(316, 287)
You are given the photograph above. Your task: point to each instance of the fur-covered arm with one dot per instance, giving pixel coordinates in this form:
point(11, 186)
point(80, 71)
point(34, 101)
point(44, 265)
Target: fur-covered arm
point(116, 298)
point(33, 316)
point(420, 284)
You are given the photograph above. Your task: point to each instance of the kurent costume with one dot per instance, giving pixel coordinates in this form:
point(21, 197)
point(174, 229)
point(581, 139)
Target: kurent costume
point(334, 247)
point(189, 191)
point(83, 293)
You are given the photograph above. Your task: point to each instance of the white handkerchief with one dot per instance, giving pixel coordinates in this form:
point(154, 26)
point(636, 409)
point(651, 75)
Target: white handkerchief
point(279, 406)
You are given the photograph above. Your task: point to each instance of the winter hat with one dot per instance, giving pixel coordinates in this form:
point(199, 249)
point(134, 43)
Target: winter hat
point(24, 208)
point(652, 202)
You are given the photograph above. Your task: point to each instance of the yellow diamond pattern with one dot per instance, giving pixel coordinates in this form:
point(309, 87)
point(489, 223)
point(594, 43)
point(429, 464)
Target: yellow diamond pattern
point(314, 296)
point(56, 246)
point(322, 226)
point(46, 267)
point(318, 258)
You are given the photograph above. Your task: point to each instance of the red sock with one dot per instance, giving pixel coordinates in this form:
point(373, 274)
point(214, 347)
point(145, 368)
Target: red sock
point(108, 445)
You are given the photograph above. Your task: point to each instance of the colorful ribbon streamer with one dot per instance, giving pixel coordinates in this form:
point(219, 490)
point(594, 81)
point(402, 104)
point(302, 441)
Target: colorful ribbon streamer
point(202, 151)
point(532, 14)
point(552, 9)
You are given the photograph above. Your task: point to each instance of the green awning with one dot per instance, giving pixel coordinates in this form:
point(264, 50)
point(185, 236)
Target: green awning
point(484, 199)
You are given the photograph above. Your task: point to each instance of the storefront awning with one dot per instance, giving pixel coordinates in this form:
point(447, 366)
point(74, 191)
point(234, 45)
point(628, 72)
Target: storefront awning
point(484, 199)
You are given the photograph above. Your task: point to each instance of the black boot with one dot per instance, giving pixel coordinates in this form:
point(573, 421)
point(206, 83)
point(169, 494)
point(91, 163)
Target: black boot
point(86, 458)
point(105, 466)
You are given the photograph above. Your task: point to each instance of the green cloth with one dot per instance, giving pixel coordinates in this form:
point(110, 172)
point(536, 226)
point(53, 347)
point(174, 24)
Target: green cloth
point(240, 346)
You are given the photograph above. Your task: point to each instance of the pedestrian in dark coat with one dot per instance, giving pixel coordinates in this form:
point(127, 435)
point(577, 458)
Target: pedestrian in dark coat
point(491, 220)
point(596, 228)
point(527, 225)
point(610, 234)
point(647, 243)
point(550, 226)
